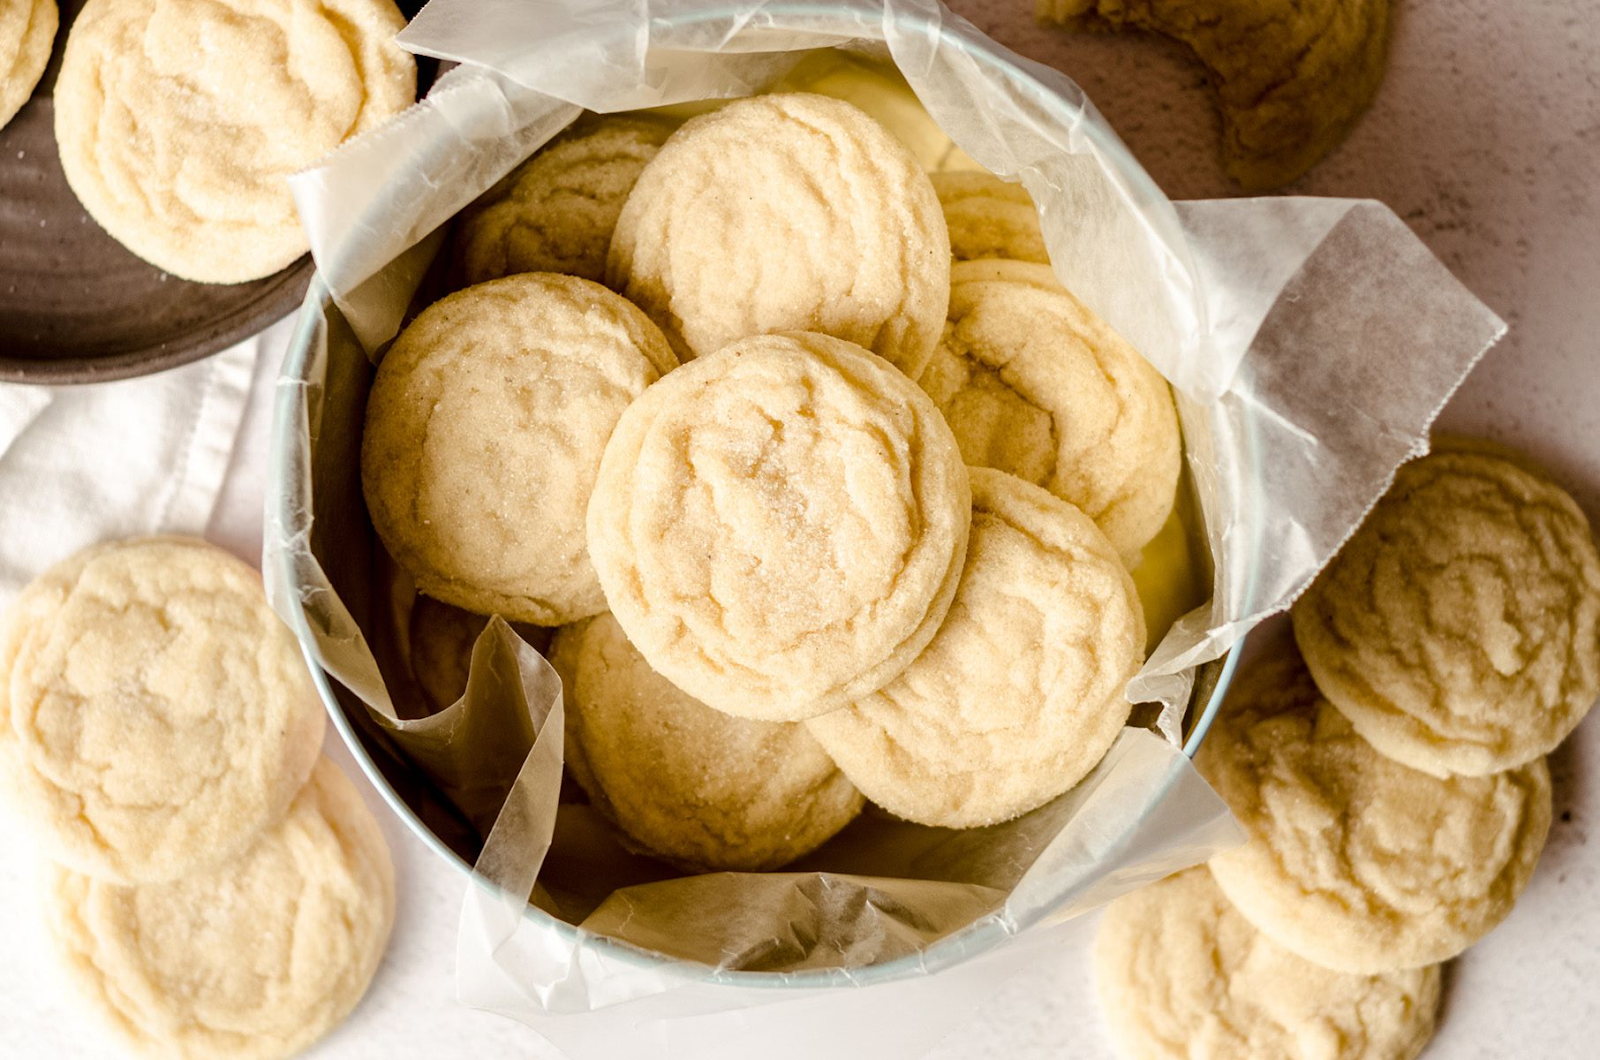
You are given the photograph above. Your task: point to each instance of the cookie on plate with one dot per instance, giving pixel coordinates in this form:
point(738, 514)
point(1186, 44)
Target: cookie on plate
point(178, 123)
point(1035, 384)
point(483, 436)
point(1020, 693)
point(1182, 976)
point(1357, 862)
point(254, 960)
point(989, 218)
point(155, 715)
point(27, 30)
point(787, 212)
point(779, 526)
point(556, 211)
point(721, 793)
point(1459, 629)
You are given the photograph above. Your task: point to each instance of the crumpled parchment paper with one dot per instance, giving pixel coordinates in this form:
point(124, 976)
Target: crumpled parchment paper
point(1311, 342)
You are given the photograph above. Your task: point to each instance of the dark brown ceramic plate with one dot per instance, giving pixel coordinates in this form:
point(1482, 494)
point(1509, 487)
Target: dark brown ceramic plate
point(75, 306)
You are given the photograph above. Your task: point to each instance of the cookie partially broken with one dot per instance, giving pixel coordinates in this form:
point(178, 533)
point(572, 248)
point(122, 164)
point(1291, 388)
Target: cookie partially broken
point(1291, 76)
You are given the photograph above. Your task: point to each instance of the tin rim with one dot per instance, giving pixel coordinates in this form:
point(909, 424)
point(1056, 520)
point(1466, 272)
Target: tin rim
point(976, 937)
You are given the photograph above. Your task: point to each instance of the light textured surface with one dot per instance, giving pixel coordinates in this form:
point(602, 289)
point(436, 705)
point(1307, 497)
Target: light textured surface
point(1033, 383)
point(155, 714)
point(1459, 630)
point(179, 120)
point(1184, 977)
point(556, 211)
point(27, 30)
point(779, 527)
point(787, 212)
point(989, 218)
point(1019, 694)
point(253, 961)
point(1483, 138)
point(1356, 862)
point(483, 437)
point(721, 792)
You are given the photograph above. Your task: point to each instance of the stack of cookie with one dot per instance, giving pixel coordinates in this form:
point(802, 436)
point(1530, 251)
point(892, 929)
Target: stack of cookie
point(219, 888)
point(830, 488)
point(1393, 782)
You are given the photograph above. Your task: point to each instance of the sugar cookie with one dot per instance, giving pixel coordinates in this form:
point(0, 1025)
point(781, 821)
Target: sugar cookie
point(1020, 693)
point(179, 120)
point(989, 218)
point(1291, 76)
point(155, 715)
point(483, 436)
point(786, 212)
point(721, 793)
point(780, 526)
point(441, 639)
point(254, 960)
point(1029, 273)
point(1356, 862)
point(1182, 976)
point(27, 31)
point(556, 211)
point(1459, 629)
point(1034, 384)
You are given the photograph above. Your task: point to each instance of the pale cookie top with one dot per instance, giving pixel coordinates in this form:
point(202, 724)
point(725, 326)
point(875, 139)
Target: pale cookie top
point(179, 120)
point(779, 526)
point(989, 218)
point(254, 960)
point(27, 30)
point(1182, 976)
point(1035, 384)
point(720, 793)
point(1459, 629)
point(483, 436)
point(1357, 862)
point(556, 211)
point(155, 715)
point(789, 212)
point(1021, 691)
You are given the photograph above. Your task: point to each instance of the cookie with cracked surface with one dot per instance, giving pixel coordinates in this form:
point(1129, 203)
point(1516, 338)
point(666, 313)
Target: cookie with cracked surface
point(1020, 693)
point(178, 121)
point(722, 793)
point(27, 30)
point(254, 960)
point(1459, 629)
point(556, 211)
point(779, 526)
point(483, 436)
point(155, 715)
point(989, 218)
point(1182, 976)
point(1291, 78)
point(1033, 383)
point(786, 212)
point(1357, 862)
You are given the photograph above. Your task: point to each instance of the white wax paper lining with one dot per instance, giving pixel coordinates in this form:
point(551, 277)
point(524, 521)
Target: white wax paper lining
point(1311, 343)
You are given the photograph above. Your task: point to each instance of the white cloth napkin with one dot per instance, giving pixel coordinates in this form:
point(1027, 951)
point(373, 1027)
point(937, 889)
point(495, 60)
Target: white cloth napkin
point(84, 464)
